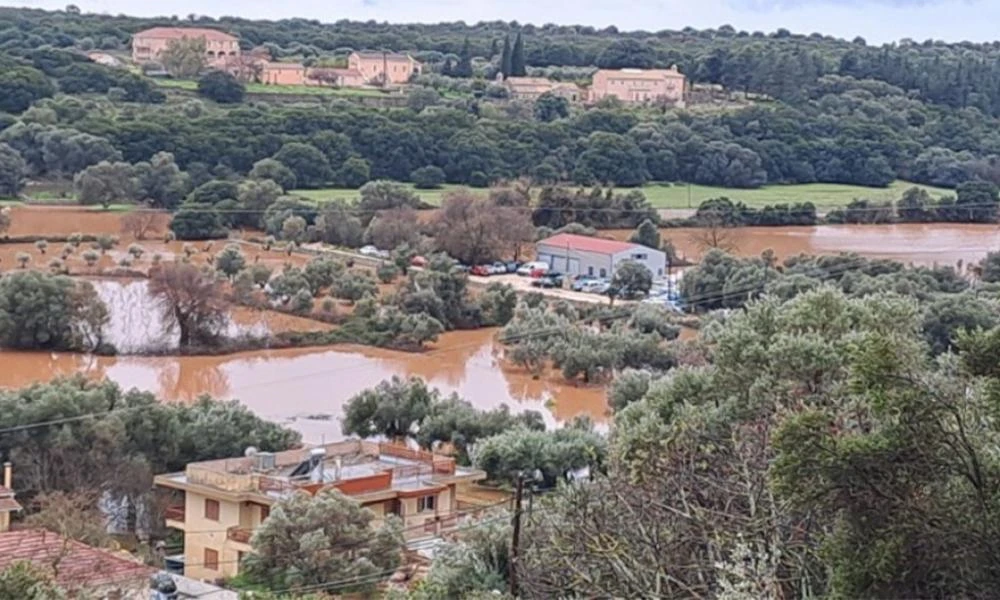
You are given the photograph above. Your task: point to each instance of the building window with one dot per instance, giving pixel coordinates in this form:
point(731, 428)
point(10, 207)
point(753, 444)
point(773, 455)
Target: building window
point(640, 256)
point(604, 272)
point(211, 509)
point(211, 559)
point(590, 271)
point(426, 503)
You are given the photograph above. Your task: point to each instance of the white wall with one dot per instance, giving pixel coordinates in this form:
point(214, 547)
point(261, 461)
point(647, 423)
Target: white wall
point(654, 260)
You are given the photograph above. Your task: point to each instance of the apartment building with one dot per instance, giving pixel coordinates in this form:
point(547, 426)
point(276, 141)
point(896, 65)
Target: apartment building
point(147, 45)
point(384, 67)
point(530, 88)
point(637, 86)
point(219, 503)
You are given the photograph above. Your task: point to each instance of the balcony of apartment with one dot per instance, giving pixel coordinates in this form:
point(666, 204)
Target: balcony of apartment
point(239, 535)
point(174, 516)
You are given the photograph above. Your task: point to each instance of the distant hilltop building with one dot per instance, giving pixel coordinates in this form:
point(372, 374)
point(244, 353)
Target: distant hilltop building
point(384, 67)
point(149, 44)
point(530, 88)
point(636, 86)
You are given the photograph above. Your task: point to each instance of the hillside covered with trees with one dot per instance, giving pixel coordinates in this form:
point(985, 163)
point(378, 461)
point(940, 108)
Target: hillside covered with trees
point(827, 110)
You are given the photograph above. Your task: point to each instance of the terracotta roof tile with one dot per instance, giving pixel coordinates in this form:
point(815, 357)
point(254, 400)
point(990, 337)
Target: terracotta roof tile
point(213, 35)
point(8, 504)
point(588, 244)
point(79, 565)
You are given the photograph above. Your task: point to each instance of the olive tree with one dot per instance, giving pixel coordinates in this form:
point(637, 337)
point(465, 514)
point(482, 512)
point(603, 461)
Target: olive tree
point(314, 540)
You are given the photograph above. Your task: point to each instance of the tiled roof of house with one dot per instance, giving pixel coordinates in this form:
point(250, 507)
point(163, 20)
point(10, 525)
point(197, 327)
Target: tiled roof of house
point(213, 35)
point(587, 243)
point(390, 56)
point(77, 565)
point(638, 73)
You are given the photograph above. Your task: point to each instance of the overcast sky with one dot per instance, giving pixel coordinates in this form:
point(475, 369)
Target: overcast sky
point(875, 20)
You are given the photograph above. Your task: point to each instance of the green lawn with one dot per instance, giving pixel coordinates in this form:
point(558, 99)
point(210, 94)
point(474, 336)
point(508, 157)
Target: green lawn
point(823, 195)
point(428, 196)
point(259, 88)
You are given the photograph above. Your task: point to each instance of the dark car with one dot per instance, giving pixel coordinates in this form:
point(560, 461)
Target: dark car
point(549, 280)
point(513, 266)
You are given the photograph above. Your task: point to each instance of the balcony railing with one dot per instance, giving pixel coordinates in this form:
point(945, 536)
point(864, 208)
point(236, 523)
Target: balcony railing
point(174, 513)
point(239, 534)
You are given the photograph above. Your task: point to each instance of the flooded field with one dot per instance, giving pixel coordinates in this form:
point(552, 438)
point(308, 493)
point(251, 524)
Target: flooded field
point(307, 388)
point(917, 243)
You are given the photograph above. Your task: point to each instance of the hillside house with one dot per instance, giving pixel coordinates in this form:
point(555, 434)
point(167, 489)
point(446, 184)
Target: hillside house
point(280, 73)
point(219, 503)
point(380, 68)
point(637, 86)
point(530, 88)
point(147, 45)
point(597, 257)
point(343, 78)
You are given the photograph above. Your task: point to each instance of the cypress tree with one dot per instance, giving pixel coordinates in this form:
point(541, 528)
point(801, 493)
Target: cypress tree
point(464, 67)
point(517, 58)
point(494, 47)
point(446, 68)
point(505, 58)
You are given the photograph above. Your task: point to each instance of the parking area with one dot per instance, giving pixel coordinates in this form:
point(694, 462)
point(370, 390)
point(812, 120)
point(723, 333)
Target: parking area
point(523, 284)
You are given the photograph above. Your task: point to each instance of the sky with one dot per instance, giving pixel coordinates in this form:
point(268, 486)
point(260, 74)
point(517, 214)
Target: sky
point(877, 21)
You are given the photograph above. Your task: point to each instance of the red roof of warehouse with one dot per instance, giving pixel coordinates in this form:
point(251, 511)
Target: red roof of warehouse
point(586, 243)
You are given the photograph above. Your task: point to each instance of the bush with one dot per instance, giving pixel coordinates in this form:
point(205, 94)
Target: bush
point(427, 178)
point(386, 272)
point(221, 87)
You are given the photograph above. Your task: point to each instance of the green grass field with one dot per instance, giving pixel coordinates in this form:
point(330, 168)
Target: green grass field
point(259, 88)
point(823, 195)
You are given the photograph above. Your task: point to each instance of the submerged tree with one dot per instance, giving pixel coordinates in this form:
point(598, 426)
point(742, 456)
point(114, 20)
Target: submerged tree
point(189, 301)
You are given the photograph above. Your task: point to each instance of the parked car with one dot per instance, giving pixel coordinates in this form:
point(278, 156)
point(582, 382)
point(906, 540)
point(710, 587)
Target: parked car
point(549, 280)
point(592, 286)
point(481, 270)
point(418, 261)
point(581, 281)
point(382, 254)
point(369, 251)
point(513, 266)
point(498, 268)
point(528, 268)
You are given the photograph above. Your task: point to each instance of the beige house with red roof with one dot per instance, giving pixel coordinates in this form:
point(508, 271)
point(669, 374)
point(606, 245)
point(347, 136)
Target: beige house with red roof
point(378, 68)
point(530, 88)
point(219, 45)
point(637, 86)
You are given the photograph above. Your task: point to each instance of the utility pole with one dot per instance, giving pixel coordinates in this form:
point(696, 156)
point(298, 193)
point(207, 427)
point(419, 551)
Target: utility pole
point(515, 541)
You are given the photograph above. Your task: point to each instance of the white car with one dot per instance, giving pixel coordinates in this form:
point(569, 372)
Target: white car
point(593, 286)
point(369, 251)
point(527, 268)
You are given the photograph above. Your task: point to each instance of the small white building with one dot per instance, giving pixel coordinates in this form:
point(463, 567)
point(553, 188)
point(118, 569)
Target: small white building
point(598, 257)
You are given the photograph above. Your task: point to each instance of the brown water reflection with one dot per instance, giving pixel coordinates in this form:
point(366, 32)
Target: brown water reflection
point(291, 385)
point(918, 243)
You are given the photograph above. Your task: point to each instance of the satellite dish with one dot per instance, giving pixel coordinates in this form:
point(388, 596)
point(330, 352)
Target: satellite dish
point(250, 451)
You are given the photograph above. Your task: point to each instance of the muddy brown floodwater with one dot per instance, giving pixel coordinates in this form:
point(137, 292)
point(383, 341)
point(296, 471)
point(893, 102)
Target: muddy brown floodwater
point(307, 388)
point(917, 243)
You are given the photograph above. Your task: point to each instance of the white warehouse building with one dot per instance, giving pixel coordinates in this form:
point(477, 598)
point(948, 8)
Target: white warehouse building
point(598, 257)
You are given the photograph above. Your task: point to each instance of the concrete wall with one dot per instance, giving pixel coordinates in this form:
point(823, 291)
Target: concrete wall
point(580, 262)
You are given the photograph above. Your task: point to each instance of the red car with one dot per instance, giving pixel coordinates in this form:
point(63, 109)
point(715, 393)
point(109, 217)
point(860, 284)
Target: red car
point(480, 271)
point(536, 273)
point(418, 261)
